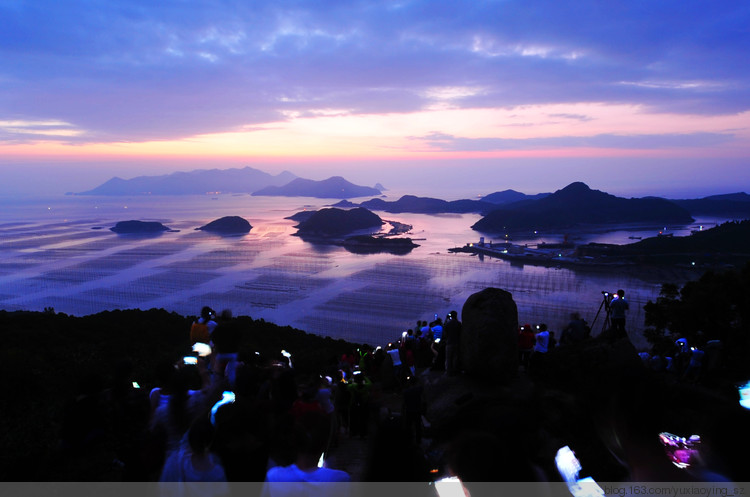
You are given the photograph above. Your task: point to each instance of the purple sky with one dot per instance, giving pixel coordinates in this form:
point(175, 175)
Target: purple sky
point(632, 97)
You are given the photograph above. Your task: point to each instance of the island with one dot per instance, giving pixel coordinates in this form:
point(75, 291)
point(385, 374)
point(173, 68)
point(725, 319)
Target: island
point(363, 244)
point(134, 227)
point(199, 181)
point(333, 187)
point(228, 225)
point(333, 222)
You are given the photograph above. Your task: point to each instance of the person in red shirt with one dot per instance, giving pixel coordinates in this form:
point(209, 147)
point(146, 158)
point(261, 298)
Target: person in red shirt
point(526, 342)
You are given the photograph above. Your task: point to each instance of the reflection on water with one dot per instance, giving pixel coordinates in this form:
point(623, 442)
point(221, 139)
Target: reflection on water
point(52, 255)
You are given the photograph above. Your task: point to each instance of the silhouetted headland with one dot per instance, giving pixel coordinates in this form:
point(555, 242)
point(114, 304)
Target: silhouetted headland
point(577, 205)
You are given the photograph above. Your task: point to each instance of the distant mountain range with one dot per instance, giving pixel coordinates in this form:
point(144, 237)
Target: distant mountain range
point(333, 187)
point(429, 205)
point(200, 181)
point(423, 205)
point(504, 210)
point(577, 205)
point(511, 196)
point(245, 180)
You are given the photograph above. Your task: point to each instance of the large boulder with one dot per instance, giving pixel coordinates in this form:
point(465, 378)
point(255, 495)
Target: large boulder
point(489, 339)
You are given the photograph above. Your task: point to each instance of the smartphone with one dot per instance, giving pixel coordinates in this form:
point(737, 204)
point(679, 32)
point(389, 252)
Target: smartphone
point(202, 349)
point(681, 451)
point(189, 360)
point(586, 487)
point(136, 385)
point(227, 397)
point(450, 486)
point(744, 391)
point(569, 466)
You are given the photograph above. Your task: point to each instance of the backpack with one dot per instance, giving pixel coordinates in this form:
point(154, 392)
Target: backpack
point(199, 333)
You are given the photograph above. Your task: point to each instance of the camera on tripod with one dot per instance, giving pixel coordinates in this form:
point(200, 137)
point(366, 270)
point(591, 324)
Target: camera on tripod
point(606, 300)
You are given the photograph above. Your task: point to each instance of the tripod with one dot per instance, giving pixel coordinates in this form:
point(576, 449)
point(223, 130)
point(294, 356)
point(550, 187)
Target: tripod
point(606, 299)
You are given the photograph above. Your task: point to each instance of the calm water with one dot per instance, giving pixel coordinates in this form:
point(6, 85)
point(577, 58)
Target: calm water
point(59, 253)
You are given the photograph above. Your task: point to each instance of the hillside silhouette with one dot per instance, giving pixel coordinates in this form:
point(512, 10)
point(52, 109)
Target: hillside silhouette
point(577, 205)
point(333, 187)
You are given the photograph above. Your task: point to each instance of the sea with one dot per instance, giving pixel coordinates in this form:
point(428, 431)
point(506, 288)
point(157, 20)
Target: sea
point(58, 252)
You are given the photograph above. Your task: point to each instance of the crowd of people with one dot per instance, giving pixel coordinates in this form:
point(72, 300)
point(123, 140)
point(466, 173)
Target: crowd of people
point(220, 414)
point(216, 415)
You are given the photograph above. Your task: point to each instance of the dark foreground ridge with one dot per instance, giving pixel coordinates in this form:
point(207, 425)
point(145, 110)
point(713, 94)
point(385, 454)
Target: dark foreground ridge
point(76, 403)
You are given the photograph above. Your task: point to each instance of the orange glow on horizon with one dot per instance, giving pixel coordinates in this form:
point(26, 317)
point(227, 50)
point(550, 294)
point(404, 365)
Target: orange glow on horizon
point(410, 137)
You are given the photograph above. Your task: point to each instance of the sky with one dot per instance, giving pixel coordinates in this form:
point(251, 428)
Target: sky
point(634, 97)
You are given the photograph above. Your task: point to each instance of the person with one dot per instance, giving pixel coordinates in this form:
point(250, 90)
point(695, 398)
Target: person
point(395, 354)
point(437, 328)
point(412, 407)
point(540, 348)
point(325, 399)
point(575, 332)
point(526, 342)
point(306, 476)
point(307, 392)
point(552, 341)
point(542, 340)
point(425, 329)
point(203, 327)
point(452, 334)
point(193, 461)
point(226, 339)
point(359, 405)
point(617, 307)
point(693, 369)
point(177, 405)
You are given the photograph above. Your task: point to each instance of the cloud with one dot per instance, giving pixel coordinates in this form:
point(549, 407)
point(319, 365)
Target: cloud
point(446, 142)
point(21, 131)
point(130, 71)
point(573, 117)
